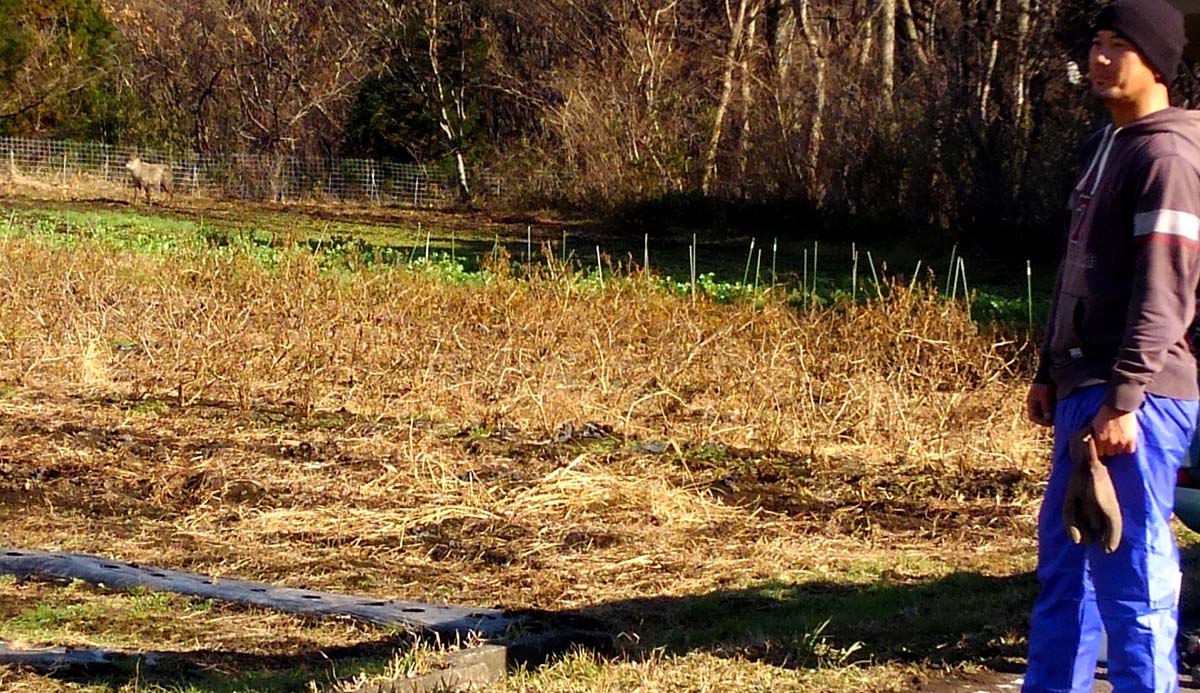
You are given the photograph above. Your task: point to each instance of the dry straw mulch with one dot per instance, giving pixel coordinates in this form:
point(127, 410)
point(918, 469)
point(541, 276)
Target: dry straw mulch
point(534, 442)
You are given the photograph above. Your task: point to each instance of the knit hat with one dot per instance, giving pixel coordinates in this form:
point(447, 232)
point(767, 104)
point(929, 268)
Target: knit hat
point(1154, 26)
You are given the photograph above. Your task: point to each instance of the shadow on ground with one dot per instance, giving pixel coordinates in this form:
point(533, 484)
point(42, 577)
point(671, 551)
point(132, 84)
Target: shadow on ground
point(963, 617)
point(219, 671)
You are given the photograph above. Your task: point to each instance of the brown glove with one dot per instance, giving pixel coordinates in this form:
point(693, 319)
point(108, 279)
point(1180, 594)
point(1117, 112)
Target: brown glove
point(1090, 509)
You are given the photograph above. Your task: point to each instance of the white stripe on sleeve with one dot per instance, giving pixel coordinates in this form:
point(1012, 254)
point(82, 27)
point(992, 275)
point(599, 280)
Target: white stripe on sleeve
point(1168, 221)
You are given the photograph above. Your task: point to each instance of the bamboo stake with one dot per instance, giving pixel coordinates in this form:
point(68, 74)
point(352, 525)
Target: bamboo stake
point(874, 276)
point(815, 249)
point(804, 280)
point(692, 263)
point(954, 285)
point(774, 257)
point(1029, 292)
point(952, 268)
point(749, 257)
point(853, 272)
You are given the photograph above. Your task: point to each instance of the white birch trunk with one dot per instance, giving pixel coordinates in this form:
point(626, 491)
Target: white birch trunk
point(747, 79)
point(820, 66)
point(1020, 88)
point(911, 33)
point(735, 39)
point(887, 53)
point(985, 85)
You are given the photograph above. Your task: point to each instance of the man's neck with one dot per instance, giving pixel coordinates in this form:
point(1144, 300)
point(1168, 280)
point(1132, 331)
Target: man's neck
point(1125, 111)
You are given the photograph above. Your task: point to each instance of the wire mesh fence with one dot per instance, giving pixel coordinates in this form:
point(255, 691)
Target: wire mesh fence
point(256, 177)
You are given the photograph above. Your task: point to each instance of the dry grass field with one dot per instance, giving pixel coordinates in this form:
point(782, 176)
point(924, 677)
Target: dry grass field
point(750, 495)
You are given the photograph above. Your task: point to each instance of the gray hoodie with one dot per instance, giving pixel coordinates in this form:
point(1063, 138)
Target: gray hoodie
point(1125, 299)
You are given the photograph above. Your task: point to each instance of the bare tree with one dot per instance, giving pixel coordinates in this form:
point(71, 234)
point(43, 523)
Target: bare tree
point(993, 52)
point(433, 50)
point(887, 52)
point(820, 67)
point(737, 23)
point(265, 75)
point(1020, 86)
point(58, 62)
point(747, 79)
point(911, 34)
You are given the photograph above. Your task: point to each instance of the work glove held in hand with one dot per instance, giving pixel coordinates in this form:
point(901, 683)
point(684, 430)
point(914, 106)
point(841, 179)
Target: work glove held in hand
point(1090, 509)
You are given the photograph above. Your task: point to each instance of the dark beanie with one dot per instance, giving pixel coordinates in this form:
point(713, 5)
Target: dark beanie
point(1154, 26)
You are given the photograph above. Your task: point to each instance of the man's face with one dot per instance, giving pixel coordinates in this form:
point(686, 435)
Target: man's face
point(1116, 69)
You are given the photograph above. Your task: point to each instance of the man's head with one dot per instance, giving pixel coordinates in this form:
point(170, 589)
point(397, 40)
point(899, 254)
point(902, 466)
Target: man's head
point(1136, 44)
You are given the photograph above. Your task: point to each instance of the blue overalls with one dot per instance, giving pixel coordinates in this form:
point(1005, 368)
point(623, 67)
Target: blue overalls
point(1133, 591)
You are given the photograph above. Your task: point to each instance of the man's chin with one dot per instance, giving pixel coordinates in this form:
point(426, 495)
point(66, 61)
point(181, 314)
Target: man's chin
point(1106, 93)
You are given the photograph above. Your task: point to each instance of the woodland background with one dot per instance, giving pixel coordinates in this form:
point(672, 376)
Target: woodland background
point(950, 119)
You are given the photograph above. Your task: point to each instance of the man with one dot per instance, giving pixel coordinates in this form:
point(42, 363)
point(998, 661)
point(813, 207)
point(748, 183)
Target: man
point(1117, 359)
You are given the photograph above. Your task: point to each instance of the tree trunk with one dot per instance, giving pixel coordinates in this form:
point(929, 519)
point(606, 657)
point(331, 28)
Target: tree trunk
point(911, 34)
point(864, 55)
point(1020, 74)
point(887, 53)
point(782, 50)
point(985, 85)
point(820, 66)
point(747, 78)
point(450, 128)
point(735, 40)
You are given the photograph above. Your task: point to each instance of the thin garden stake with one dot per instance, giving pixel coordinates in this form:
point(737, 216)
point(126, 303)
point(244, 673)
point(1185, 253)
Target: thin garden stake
point(815, 248)
point(954, 285)
point(874, 277)
point(916, 273)
point(646, 255)
point(695, 260)
point(774, 256)
point(962, 268)
point(528, 244)
point(804, 280)
point(749, 257)
point(853, 272)
point(1029, 291)
point(757, 270)
point(599, 268)
point(564, 248)
point(691, 261)
point(953, 269)
point(427, 235)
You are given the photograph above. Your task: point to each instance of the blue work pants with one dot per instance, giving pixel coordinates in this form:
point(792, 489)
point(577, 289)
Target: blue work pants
point(1134, 591)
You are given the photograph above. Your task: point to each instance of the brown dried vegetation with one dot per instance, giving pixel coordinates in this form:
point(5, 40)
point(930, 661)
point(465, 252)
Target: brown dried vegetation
point(529, 442)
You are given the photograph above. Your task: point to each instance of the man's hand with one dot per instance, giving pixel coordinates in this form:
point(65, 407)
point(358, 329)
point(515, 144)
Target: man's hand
point(1115, 431)
point(1040, 403)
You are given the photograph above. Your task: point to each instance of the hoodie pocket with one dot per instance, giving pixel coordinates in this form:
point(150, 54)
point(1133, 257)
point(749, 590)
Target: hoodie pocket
point(1101, 322)
point(1088, 326)
point(1065, 344)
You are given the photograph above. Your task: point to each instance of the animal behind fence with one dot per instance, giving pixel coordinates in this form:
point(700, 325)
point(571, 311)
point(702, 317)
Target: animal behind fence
point(149, 177)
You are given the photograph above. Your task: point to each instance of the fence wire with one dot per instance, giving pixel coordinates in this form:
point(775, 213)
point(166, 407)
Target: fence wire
point(255, 177)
